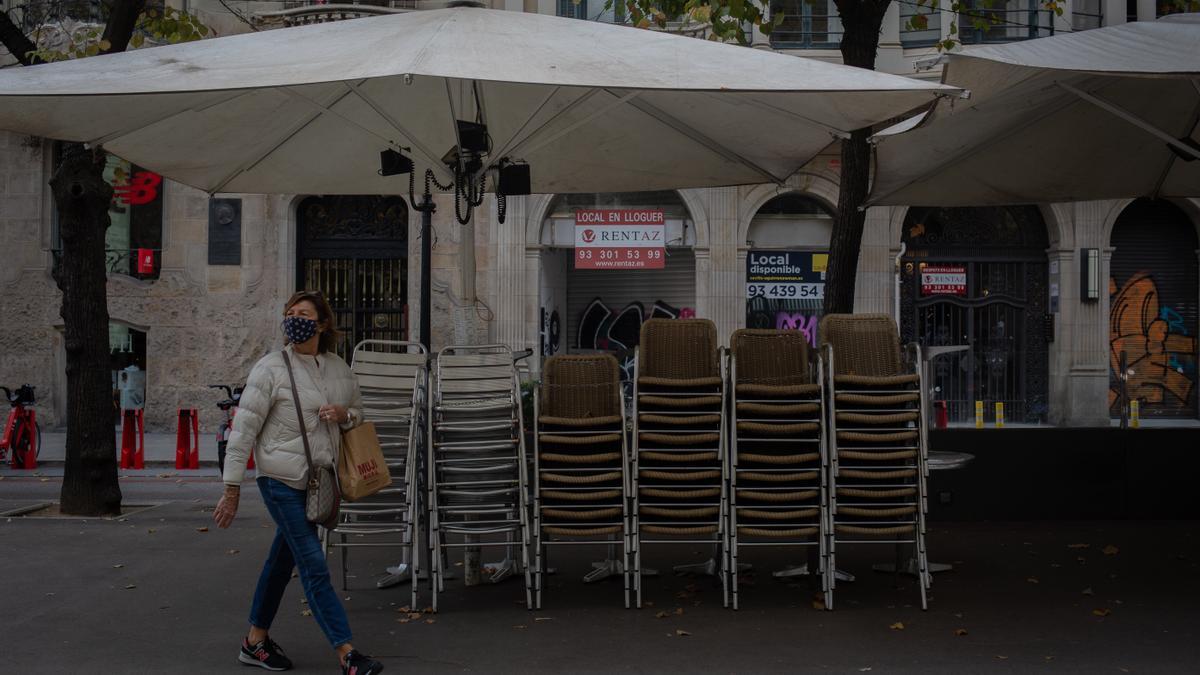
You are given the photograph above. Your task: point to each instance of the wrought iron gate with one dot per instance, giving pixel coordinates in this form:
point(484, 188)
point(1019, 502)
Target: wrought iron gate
point(354, 250)
point(998, 312)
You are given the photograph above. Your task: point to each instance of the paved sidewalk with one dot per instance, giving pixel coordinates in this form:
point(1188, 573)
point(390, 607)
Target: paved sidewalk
point(159, 449)
point(156, 593)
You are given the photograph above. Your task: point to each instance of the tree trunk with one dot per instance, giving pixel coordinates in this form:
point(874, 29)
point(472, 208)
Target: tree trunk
point(861, 21)
point(82, 197)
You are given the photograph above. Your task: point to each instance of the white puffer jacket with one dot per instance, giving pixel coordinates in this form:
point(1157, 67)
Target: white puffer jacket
point(266, 418)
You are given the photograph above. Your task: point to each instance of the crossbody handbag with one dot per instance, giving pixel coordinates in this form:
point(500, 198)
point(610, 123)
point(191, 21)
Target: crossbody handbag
point(321, 499)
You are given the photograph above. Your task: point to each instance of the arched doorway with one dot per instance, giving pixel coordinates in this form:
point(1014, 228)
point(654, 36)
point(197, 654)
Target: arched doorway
point(1153, 309)
point(354, 248)
point(786, 260)
point(977, 278)
point(584, 307)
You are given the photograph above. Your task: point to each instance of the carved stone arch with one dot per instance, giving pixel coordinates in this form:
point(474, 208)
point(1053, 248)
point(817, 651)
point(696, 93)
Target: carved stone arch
point(699, 215)
point(536, 209)
point(819, 185)
point(1059, 219)
point(1190, 208)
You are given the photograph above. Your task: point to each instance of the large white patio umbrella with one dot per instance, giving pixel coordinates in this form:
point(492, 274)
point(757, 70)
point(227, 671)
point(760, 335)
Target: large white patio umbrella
point(591, 107)
point(1098, 114)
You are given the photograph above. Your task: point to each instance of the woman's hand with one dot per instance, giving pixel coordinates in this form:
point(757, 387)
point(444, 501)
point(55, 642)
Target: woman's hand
point(227, 506)
point(334, 413)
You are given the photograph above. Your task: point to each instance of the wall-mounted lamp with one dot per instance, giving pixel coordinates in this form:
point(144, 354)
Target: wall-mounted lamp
point(1089, 274)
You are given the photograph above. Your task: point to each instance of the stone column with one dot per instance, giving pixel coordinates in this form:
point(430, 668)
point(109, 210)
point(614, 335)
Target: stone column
point(874, 279)
point(1087, 390)
point(719, 284)
point(511, 292)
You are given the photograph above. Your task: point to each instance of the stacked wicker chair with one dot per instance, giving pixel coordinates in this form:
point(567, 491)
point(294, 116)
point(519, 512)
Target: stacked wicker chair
point(478, 470)
point(679, 435)
point(392, 376)
point(878, 445)
point(777, 460)
point(580, 460)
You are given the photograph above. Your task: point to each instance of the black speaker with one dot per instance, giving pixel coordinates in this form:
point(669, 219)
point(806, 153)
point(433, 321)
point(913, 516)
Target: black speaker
point(473, 137)
point(514, 180)
point(392, 163)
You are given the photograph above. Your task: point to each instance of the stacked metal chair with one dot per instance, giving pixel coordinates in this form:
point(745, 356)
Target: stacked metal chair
point(393, 378)
point(580, 460)
point(777, 460)
point(877, 414)
point(477, 468)
point(679, 435)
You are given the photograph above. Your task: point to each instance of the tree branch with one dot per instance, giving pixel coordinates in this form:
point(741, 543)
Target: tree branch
point(17, 43)
point(122, 19)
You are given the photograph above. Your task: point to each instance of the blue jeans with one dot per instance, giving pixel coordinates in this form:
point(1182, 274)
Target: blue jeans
point(296, 545)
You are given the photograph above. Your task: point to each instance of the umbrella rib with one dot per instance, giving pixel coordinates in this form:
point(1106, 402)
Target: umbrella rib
point(259, 157)
point(763, 105)
point(395, 124)
point(504, 149)
point(541, 143)
point(327, 110)
point(1131, 118)
point(100, 141)
point(1172, 157)
point(708, 143)
point(962, 154)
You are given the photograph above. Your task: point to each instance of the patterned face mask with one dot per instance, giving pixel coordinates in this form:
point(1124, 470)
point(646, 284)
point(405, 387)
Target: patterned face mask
point(299, 329)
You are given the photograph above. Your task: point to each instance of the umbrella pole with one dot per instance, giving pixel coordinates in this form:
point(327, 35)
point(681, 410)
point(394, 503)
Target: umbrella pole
point(426, 208)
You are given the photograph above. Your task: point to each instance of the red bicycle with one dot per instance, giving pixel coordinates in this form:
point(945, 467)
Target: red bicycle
point(22, 435)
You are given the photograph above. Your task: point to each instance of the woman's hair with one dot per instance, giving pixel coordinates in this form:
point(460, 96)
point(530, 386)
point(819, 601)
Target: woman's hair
point(329, 337)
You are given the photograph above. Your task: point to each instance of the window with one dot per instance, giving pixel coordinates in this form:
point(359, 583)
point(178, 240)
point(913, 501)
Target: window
point(807, 24)
point(133, 241)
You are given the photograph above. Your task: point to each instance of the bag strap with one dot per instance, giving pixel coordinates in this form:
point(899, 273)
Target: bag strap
point(312, 474)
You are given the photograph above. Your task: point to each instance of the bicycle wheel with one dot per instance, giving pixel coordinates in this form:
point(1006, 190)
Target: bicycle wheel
point(23, 437)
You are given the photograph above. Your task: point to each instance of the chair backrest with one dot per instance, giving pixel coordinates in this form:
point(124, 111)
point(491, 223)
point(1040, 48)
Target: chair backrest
point(578, 386)
point(679, 348)
point(387, 365)
point(475, 370)
point(863, 344)
point(777, 357)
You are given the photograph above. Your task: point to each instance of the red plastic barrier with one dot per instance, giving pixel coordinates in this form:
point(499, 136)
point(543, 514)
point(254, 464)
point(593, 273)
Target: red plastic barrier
point(942, 416)
point(133, 440)
point(187, 439)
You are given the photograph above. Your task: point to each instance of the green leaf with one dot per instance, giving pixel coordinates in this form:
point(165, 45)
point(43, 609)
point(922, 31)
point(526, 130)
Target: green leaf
point(137, 40)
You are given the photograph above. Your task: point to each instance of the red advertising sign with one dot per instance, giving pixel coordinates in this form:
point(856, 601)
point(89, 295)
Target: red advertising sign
point(943, 280)
point(610, 239)
point(145, 261)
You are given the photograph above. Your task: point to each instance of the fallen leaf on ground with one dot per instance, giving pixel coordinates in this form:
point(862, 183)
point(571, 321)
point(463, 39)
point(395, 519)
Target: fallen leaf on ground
point(150, 531)
point(202, 529)
point(864, 670)
point(818, 603)
point(306, 612)
point(678, 611)
point(1002, 657)
point(403, 619)
point(428, 610)
point(543, 618)
point(129, 586)
point(1033, 580)
point(681, 633)
point(1079, 545)
point(1104, 611)
point(405, 609)
point(1049, 658)
point(413, 616)
point(430, 620)
point(958, 615)
point(897, 626)
point(960, 631)
point(662, 615)
point(1111, 550)
point(232, 551)
point(118, 566)
point(1088, 591)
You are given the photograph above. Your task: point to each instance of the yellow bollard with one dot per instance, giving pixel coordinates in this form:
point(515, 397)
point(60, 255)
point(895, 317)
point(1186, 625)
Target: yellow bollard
point(999, 414)
point(978, 414)
point(1133, 414)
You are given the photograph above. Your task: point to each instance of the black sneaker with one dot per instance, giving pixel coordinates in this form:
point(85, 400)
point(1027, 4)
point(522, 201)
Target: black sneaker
point(265, 654)
point(357, 663)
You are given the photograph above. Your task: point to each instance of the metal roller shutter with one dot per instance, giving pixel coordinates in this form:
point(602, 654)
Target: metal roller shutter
point(1154, 312)
point(674, 285)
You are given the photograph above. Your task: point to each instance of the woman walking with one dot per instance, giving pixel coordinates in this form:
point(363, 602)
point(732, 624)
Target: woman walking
point(268, 422)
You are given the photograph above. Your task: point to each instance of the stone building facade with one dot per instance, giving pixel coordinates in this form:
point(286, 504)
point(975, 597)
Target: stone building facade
point(200, 323)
